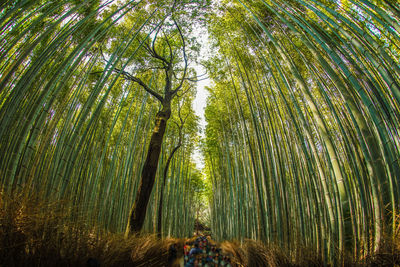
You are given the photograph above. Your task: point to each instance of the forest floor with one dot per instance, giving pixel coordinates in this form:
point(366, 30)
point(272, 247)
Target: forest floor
point(38, 234)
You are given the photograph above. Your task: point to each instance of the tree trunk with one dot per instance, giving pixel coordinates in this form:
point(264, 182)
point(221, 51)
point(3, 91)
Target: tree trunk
point(160, 204)
point(138, 210)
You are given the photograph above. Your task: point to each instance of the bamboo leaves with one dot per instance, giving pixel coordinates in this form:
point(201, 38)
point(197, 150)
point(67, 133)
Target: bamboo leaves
point(71, 127)
point(321, 93)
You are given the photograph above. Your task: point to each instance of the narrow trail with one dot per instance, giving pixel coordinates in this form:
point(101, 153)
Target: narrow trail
point(203, 252)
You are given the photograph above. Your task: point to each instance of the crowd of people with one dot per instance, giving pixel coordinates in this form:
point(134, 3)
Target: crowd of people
point(202, 253)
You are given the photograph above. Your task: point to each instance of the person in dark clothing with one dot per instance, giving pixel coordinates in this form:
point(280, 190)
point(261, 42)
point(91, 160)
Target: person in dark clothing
point(92, 263)
point(172, 254)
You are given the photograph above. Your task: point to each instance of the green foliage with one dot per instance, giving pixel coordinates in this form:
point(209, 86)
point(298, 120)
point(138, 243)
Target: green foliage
point(296, 146)
point(301, 144)
point(80, 130)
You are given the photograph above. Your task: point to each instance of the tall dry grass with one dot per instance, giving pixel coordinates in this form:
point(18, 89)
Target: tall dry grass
point(256, 254)
point(37, 233)
point(34, 232)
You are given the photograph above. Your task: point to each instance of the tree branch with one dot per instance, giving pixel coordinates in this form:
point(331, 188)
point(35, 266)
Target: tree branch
point(184, 58)
point(183, 121)
point(171, 56)
point(130, 77)
point(153, 49)
point(184, 92)
point(197, 79)
point(146, 45)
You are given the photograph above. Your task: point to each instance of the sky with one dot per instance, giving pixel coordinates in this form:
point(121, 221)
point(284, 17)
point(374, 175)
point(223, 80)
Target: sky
point(201, 97)
point(199, 104)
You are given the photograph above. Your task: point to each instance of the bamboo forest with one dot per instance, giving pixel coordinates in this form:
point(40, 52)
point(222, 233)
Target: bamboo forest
point(199, 133)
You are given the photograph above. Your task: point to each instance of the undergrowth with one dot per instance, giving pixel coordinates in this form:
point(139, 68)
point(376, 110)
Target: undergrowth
point(256, 254)
point(36, 233)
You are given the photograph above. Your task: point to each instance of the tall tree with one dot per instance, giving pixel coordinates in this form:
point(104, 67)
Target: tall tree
point(164, 53)
point(166, 57)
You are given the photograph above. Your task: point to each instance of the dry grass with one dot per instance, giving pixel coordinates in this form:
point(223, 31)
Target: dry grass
point(253, 253)
point(389, 254)
point(257, 254)
point(35, 233)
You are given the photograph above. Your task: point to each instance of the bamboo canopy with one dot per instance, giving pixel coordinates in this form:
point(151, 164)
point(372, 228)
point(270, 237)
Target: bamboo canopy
point(302, 139)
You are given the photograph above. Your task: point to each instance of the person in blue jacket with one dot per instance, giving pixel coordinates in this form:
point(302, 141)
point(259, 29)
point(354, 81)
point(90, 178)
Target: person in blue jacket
point(195, 250)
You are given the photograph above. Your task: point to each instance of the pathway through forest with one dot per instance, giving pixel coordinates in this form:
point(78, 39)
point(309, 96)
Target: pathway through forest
point(203, 252)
